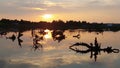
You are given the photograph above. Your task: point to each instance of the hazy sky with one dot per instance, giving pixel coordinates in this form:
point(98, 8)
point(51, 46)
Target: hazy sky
point(89, 10)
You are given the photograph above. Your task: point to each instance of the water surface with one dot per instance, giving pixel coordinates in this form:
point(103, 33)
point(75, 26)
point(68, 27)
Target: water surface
point(50, 49)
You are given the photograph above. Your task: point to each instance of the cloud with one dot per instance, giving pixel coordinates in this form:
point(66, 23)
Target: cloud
point(16, 5)
point(103, 3)
point(8, 64)
point(33, 8)
point(21, 7)
point(27, 8)
point(60, 61)
point(83, 3)
point(52, 4)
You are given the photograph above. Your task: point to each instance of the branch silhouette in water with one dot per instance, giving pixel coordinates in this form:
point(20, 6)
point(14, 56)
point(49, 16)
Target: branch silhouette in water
point(95, 50)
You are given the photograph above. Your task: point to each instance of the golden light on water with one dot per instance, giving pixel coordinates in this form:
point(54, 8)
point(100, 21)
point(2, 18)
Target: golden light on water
point(47, 30)
point(48, 35)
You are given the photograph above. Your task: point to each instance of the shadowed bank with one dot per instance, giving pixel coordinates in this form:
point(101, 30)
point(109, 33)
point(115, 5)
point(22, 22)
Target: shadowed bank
point(23, 25)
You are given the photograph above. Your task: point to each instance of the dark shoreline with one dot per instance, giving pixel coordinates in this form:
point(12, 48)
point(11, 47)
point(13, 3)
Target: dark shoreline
point(24, 25)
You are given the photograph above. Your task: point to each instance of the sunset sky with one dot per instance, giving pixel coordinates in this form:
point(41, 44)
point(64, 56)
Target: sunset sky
point(89, 10)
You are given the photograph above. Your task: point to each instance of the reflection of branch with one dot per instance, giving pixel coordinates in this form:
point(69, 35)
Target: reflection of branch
point(95, 50)
point(13, 37)
point(82, 44)
point(58, 35)
point(79, 51)
point(20, 40)
point(77, 36)
point(110, 50)
point(36, 44)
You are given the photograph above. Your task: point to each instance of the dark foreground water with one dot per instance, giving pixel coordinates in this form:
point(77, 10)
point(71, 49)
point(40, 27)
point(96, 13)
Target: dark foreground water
point(51, 49)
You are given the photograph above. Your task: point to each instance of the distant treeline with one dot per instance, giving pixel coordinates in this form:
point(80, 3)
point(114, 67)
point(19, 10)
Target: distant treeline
point(57, 24)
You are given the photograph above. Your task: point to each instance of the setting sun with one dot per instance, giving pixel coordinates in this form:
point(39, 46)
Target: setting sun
point(47, 16)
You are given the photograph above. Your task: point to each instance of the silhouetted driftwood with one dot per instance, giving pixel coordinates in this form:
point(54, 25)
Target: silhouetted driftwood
point(93, 49)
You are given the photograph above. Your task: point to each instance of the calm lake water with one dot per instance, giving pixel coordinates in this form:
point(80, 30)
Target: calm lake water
point(51, 49)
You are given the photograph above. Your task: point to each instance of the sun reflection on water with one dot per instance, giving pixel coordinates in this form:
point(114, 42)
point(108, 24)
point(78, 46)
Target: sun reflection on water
point(48, 35)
